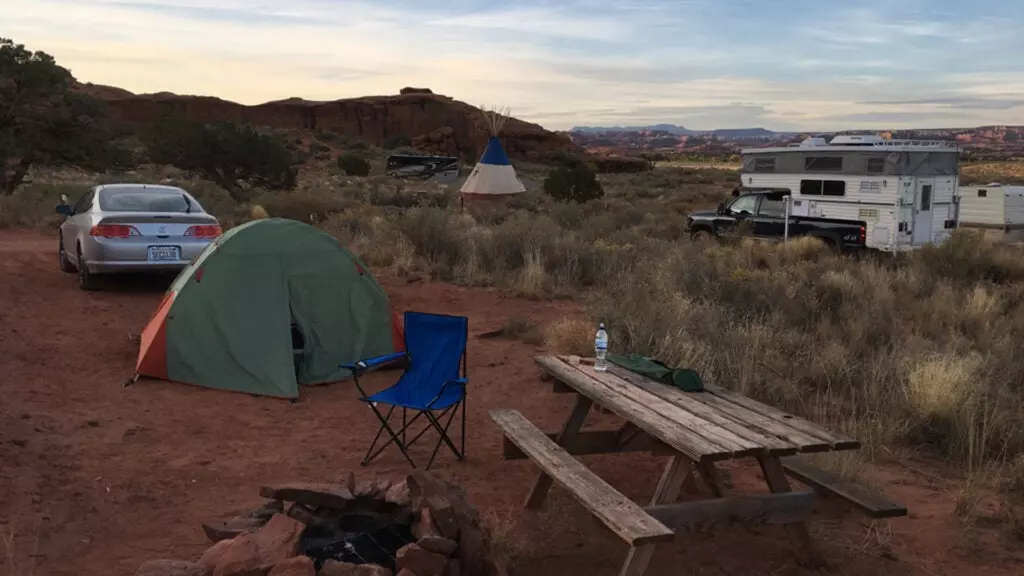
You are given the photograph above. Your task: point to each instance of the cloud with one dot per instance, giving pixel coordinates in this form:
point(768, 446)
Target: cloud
point(961, 102)
point(886, 119)
point(790, 64)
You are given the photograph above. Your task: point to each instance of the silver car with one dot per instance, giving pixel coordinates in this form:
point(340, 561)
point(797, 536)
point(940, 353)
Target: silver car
point(132, 228)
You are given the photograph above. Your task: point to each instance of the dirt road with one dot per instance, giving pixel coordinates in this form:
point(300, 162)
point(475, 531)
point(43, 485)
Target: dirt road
point(96, 478)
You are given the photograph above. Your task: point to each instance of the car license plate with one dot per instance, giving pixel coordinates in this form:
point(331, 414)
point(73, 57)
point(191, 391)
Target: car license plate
point(164, 253)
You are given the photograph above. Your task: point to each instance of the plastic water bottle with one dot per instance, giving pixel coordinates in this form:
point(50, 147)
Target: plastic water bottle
point(601, 349)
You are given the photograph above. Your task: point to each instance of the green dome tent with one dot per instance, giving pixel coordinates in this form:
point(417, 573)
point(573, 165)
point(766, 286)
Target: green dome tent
point(227, 321)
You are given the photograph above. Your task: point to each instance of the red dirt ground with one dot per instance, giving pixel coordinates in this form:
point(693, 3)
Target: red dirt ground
point(96, 479)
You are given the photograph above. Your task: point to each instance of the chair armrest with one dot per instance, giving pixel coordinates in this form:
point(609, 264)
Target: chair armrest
point(458, 382)
point(364, 365)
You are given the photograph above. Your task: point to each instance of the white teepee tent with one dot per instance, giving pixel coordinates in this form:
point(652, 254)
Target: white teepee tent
point(493, 176)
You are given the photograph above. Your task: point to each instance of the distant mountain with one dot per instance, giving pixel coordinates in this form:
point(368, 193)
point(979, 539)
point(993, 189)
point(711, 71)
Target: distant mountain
point(724, 134)
point(745, 133)
point(669, 128)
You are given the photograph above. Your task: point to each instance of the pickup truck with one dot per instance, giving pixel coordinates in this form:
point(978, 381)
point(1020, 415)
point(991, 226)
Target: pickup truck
point(762, 214)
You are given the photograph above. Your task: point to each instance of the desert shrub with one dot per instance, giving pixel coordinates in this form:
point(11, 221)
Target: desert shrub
point(319, 151)
point(33, 204)
point(562, 158)
point(310, 205)
point(398, 141)
point(578, 184)
point(921, 368)
point(239, 159)
point(45, 122)
point(353, 165)
point(437, 237)
point(968, 257)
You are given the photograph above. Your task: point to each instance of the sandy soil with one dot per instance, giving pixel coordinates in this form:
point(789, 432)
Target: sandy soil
point(96, 479)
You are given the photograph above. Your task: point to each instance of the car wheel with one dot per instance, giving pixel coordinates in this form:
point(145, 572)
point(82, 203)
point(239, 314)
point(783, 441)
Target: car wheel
point(62, 256)
point(702, 236)
point(86, 280)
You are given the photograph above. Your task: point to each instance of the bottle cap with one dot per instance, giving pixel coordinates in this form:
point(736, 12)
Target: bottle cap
point(601, 326)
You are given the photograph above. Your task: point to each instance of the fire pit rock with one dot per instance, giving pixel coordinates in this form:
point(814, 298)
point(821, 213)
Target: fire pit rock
point(418, 526)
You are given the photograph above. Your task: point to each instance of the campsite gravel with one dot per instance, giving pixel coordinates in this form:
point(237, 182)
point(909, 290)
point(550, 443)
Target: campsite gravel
point(97, 479)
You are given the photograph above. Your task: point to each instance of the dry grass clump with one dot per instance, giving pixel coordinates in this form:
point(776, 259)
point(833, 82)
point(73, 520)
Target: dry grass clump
point(1011, 172)
point(571, 336)
point(890, 352)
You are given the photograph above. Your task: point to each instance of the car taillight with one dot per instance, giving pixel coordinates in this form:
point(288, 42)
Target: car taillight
point(113, 231)
point(204, 231)
point(863, 234)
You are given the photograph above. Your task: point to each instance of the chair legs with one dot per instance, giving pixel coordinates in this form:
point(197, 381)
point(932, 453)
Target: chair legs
point(399, 437)
point(370, 454)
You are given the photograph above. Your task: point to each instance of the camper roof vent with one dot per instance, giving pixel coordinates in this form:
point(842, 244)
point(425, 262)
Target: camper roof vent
point(857, 140)
point(813, 142)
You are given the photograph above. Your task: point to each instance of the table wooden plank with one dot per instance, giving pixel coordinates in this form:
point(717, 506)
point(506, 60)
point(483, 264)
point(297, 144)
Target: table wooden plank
point(623, 516)
point(682, 439)
point(836, 441)
point(873, 504)
point(769, 426)
point(785, 508)
point(721, 436)
point(572, 427)
point(691, 402)
point(595, 442)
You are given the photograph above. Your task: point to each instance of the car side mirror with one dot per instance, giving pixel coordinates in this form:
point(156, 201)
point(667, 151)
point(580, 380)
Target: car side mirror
point(64, 209)
point(721, 207)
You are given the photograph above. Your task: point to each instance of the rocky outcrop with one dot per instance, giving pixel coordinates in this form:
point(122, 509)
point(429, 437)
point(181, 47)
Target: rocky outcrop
point(432, 122)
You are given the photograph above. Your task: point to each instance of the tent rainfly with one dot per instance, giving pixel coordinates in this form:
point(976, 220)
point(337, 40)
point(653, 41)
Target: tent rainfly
point(270, 305)
point(493, 177)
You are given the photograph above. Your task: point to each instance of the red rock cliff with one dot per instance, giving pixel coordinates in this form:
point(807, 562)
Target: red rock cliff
point(435, 123)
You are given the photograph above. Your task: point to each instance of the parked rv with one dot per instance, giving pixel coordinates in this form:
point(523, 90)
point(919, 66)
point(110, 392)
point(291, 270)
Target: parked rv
point(443, 169)
point(901, 190)
point(993, 207)
point(764, 214)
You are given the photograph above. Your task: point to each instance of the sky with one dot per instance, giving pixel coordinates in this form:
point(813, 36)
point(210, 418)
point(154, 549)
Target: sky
point(703, 64)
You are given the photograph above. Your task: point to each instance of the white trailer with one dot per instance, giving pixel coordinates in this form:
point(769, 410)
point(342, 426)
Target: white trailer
point(903, 191)
point(992, 207)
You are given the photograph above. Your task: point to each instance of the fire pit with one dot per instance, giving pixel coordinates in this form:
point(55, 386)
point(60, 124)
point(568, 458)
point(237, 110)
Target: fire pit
point(369, 530)
point(420, 526)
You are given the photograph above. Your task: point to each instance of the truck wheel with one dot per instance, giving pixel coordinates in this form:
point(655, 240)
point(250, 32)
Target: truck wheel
point(831, 244)
point(701, 236)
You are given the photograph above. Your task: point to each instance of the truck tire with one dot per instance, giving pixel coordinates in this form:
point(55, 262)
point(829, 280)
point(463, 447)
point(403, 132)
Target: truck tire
point(831, 243)
point(702, 236)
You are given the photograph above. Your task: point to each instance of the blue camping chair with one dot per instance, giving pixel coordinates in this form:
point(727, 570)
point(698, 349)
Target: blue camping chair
point(433, 384)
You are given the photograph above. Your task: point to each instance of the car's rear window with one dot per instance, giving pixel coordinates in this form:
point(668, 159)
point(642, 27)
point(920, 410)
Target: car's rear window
point(145, 200)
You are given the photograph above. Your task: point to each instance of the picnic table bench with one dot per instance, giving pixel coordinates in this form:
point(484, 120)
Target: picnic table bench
point(695, 430)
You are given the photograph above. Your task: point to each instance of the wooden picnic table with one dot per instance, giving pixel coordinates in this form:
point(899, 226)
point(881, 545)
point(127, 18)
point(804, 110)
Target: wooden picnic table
point(695, 430)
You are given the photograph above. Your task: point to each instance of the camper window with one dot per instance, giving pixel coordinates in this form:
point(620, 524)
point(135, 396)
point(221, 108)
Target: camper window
point(764, 164)
point(982, 193)
point(833, 188)
point(876, 165)
point(823, 164)
point(823, 187)
point(810, 187)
